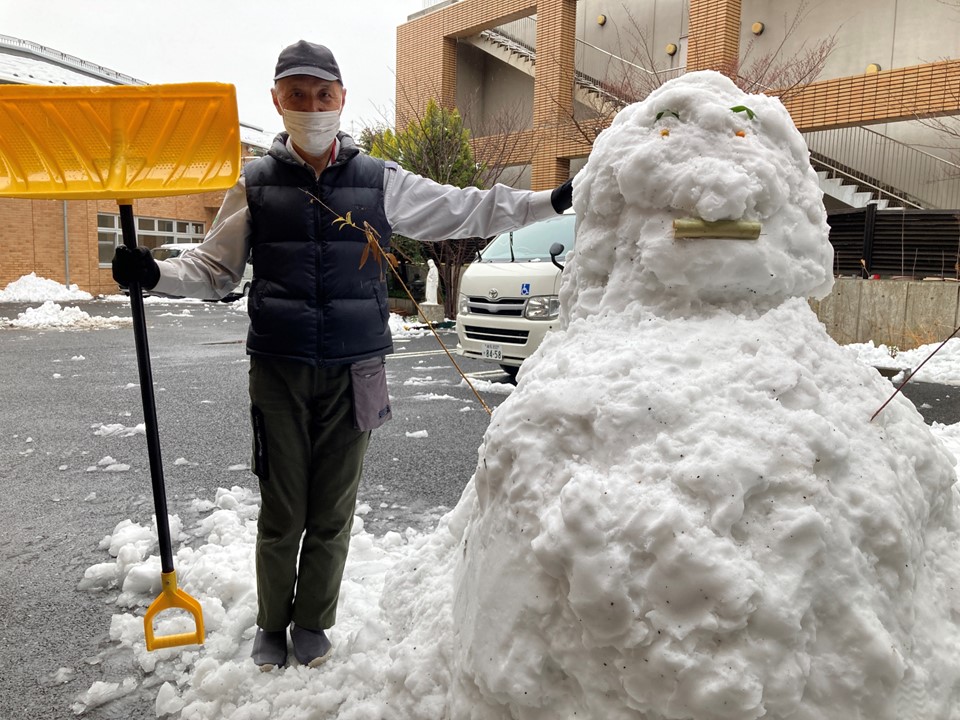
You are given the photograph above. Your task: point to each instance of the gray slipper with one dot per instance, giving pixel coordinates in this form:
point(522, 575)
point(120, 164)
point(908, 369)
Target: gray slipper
point(312, 647)
point(269, 649)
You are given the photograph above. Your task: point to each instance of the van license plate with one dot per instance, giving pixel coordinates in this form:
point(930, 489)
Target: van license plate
point(492, 352)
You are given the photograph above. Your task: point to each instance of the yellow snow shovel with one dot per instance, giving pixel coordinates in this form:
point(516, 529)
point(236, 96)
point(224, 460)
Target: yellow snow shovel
point(122, 143)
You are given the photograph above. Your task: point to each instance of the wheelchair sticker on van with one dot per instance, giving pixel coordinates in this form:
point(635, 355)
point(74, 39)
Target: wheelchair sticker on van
point(525, 288)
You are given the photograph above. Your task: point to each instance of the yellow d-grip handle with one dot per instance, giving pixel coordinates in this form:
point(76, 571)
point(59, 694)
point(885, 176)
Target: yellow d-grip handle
point(171, 597)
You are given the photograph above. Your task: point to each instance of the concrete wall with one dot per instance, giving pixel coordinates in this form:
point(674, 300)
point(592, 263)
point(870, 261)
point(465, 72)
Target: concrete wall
point(890, 33)
point(635, 31)
point(492, 96)
point(899, 313)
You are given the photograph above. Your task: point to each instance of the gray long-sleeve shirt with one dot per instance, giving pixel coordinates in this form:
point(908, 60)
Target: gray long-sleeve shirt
point(415, 206)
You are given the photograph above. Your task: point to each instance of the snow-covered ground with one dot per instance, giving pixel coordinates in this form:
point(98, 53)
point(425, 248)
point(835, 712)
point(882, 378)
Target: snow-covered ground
point(682, 511)
point(215, 564)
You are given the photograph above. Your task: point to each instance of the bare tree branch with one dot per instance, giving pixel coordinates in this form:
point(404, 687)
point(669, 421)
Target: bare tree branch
point(784, 76)
point(436, 144)
point(632, 72)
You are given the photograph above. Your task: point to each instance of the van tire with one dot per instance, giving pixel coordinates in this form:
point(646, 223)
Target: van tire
point(511, 371)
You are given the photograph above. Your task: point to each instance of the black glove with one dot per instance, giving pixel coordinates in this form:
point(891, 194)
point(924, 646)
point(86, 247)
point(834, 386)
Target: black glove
point(562, 197)
point(135, 266)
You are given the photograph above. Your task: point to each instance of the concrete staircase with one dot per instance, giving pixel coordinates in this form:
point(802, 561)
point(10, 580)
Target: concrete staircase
point(846, 193)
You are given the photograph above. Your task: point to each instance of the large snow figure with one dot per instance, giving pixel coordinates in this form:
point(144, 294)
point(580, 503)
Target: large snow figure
point(683, 510)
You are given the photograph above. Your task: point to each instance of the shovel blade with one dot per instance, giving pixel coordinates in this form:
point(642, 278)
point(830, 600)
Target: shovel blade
point(117, 142)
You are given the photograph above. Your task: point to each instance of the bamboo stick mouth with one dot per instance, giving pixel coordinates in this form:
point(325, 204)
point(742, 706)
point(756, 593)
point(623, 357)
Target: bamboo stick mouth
point(695, 228)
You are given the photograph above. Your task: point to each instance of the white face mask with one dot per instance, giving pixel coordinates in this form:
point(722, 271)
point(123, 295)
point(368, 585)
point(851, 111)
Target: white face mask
point(312, 132)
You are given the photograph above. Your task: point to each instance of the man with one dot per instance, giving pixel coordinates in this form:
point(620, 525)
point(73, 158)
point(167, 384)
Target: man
point(319, 329)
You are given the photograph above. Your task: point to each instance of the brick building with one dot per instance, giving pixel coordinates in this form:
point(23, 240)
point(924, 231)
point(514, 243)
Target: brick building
point(557, 65)
point(73, 241)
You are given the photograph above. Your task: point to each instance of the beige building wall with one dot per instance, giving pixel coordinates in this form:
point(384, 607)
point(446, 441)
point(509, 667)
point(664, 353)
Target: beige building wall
point(889, 33)
point(34, 238)
point(491, 94)
point(635, 31)
point(915, 44)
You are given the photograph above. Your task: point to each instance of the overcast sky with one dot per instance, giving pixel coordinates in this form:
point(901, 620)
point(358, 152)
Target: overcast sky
point(232, 41)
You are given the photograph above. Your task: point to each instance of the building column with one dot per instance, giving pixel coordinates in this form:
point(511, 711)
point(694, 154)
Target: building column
point(414, 86)
point(553, 88)
point(714, 36)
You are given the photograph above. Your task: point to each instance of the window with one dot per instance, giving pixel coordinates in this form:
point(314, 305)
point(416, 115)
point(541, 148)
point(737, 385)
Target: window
point(151, 233)
point(107, 236)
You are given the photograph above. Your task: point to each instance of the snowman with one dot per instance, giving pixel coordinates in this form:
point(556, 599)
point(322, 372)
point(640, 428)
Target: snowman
point(684, 511)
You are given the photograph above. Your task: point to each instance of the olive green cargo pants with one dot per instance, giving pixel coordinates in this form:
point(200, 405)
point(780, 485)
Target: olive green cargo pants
point(308, 457)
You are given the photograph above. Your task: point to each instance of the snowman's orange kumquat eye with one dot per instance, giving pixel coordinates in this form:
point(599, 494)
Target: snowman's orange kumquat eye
point(664, 132)
point(740, 133)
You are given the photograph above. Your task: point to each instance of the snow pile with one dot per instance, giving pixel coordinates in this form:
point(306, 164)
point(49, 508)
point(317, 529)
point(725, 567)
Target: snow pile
point(120, 430)
point(220, 681)
point(52, 315)
point(939, 368)
point(31, 288)
point(407, 327)
point(726, 538)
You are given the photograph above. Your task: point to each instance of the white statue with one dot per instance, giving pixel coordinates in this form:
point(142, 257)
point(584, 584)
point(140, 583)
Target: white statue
point(433, 281)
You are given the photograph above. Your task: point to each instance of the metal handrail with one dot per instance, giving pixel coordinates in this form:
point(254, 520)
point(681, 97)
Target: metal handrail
point(70, 60)
point(869, 157)
point(860, 181)
point(584, 43)
point(520, 37)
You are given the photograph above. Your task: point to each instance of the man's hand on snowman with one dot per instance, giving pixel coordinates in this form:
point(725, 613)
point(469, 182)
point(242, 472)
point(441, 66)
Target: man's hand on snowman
point(562, 197)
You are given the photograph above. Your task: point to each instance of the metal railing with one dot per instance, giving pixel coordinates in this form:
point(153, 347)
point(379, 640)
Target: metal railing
point(625, 80)
point(595, 68)
point(895, 169)
point(861, 183)
point(69, 60)
point(523, 32)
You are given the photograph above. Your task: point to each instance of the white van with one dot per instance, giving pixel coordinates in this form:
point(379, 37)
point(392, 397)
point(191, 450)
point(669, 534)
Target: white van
point(508, 295)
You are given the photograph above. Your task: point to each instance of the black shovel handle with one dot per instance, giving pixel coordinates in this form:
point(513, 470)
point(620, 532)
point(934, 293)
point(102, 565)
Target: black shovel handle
point(129, 230)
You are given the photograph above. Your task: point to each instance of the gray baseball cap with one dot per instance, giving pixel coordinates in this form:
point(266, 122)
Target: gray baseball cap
point(306, 58)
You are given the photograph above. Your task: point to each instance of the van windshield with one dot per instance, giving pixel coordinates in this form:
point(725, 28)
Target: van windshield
point(165, 253)
point(532, 243)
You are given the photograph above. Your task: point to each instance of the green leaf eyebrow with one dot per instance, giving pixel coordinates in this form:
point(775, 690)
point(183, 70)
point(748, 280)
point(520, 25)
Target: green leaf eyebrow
point(743, 108)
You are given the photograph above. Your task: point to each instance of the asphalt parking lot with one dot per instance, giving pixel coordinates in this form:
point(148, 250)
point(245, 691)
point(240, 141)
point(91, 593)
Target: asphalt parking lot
point(60, 389)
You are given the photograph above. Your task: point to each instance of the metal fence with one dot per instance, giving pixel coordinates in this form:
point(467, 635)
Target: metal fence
point(897, 171)
point(896, 243)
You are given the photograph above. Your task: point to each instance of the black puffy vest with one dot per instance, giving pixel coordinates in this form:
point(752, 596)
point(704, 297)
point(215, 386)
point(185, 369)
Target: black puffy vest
point(311, 300)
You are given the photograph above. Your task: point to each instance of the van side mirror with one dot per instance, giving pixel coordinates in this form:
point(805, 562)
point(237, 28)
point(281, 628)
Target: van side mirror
point(555, 250)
